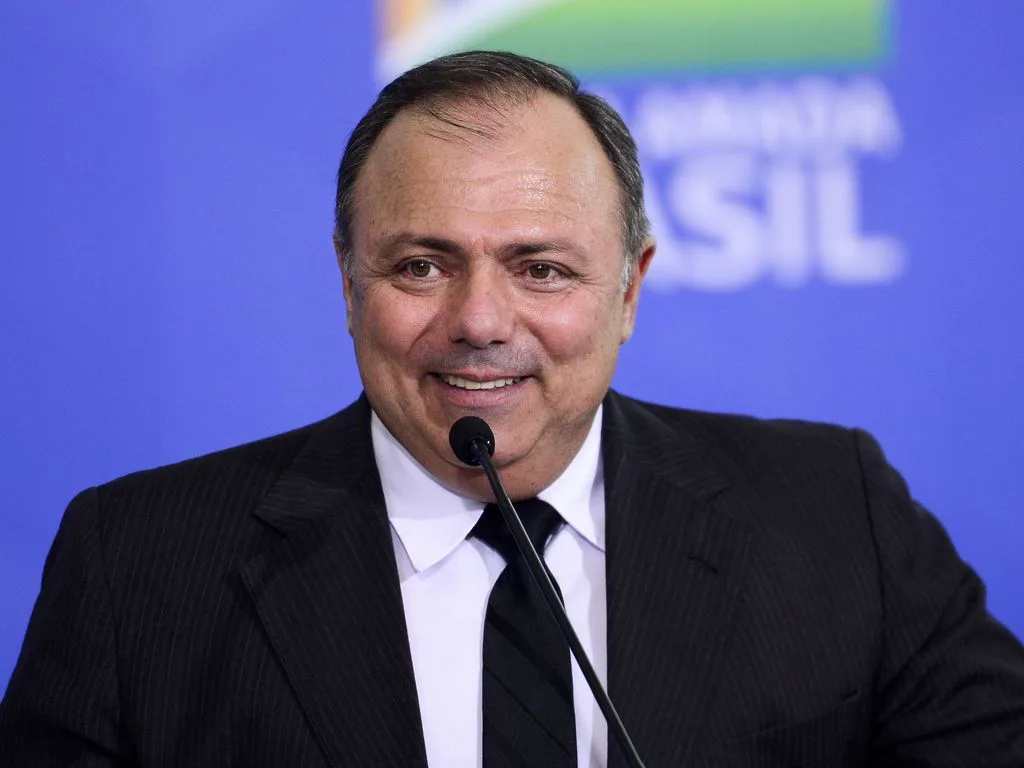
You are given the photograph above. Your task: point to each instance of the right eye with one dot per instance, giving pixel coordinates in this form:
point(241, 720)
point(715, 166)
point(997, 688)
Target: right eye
point(421, 269)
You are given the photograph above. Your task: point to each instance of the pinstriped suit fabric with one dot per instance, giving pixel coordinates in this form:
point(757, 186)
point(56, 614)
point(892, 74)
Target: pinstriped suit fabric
point(774, 599)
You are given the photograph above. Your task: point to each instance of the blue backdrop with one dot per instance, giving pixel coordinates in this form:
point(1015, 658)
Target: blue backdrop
point(167, 285)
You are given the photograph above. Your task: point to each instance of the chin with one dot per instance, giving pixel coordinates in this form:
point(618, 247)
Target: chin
point(508, 451)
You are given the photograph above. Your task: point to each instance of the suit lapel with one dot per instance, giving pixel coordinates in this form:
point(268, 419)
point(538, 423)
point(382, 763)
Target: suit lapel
point(675, 566)
point(328, 595)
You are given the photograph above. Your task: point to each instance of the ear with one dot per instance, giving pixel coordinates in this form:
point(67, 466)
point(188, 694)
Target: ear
point(346, 282)
point(631, 297)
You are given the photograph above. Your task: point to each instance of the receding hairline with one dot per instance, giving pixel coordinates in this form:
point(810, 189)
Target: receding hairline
point(488, 117)
point(458, 118)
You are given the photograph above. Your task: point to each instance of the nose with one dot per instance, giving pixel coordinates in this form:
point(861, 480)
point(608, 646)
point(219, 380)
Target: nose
point(482, 309)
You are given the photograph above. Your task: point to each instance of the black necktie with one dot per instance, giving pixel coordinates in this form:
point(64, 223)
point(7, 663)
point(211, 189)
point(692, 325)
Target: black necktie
point(528, 716)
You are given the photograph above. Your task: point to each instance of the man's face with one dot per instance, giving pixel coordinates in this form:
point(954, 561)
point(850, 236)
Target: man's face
point(486, 281)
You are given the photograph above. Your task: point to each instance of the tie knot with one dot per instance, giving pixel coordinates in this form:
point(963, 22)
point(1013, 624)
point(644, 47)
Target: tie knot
point(539, 518)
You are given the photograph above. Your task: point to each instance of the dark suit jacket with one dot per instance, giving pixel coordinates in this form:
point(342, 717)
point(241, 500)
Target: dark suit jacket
point(774, 599)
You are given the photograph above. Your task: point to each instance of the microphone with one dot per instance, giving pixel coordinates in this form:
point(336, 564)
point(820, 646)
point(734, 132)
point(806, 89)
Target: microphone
point(472, 442)
point(465, 433)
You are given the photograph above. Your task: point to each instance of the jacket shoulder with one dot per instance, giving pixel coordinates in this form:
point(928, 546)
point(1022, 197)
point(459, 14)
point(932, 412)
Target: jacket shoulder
point(247, 469)
point(197, 510)
point(747, 448)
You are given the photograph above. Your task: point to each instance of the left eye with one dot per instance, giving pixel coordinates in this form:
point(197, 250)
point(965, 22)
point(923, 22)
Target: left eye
point(541, 271)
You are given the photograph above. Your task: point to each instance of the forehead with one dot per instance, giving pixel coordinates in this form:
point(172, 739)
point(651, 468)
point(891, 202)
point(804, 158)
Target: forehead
point(536, 158)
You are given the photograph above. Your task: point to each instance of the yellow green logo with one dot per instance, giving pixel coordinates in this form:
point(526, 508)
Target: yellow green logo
point(644, 36)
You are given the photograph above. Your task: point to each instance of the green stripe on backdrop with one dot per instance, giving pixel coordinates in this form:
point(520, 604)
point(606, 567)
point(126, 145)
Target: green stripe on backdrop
point(624, 36)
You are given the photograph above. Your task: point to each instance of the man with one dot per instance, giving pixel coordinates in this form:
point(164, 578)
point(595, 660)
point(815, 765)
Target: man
point(753, 593)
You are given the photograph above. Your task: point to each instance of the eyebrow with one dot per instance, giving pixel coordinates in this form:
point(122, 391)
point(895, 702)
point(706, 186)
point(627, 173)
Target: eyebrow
point(451, 247)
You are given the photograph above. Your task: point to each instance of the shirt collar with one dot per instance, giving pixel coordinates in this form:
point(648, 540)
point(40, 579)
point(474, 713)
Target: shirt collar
point(578, 493)
point(431, 521)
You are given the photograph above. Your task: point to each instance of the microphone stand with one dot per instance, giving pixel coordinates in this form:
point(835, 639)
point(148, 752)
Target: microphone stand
point(479, 449)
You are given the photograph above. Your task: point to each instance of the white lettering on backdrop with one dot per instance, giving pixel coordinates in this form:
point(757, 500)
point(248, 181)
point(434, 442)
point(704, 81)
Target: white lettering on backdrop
point(748, 182)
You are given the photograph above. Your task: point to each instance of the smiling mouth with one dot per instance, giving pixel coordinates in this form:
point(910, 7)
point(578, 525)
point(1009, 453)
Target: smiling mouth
point(461, 383)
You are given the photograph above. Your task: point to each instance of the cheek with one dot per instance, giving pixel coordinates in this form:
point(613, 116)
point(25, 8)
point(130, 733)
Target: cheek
point(391, 327)
point(579, 331)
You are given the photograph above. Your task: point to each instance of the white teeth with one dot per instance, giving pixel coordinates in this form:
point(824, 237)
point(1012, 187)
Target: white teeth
point(458, 381)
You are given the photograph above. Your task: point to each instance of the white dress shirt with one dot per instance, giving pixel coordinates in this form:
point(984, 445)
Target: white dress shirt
point(446, 581)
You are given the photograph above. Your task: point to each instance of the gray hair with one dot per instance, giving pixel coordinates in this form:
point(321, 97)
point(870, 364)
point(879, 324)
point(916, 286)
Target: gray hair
point(495, 79)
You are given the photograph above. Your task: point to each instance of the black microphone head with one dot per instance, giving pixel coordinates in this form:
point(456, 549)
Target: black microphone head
point(464, 433)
